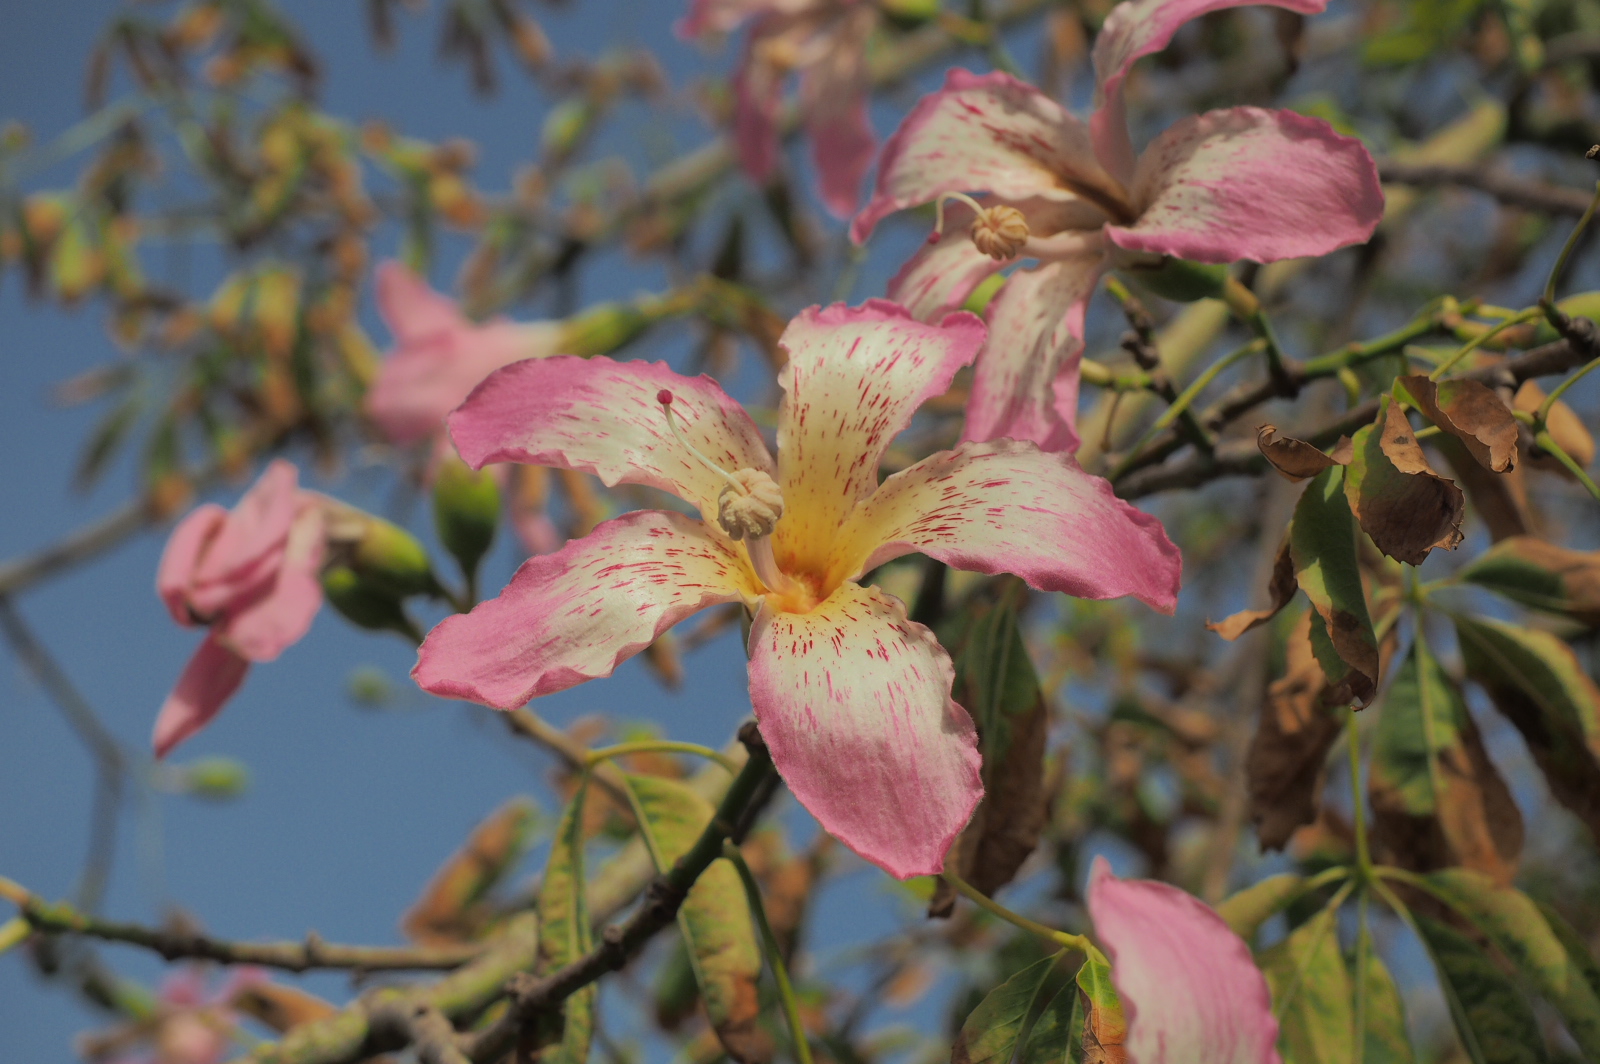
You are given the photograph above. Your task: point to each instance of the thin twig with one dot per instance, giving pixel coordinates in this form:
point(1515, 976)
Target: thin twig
point(1514, 192)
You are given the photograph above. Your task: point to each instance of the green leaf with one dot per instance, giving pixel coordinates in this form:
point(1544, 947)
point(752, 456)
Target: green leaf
point(1437, 799)
point(106, 440)
point(564, 933)
point(1247, 910)
point(1105, 1027)
point(1535, 680)
point(1385, 1040)
point(1311, 993)
point(715, 917)
point(1511, 920)
point(996, 675)
point(1575, 946)
point(1542, 576)
point(1057, 1036)
point(1493, 1019)
point(1002, 1020)
point(1322, 543)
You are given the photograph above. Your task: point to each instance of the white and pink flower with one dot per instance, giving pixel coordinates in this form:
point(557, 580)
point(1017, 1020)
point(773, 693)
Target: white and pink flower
point(853, 698)
point(1032, 182)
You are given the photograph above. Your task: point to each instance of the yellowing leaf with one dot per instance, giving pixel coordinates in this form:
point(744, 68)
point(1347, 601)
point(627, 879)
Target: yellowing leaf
point(1322, 544)
point(1403, 505)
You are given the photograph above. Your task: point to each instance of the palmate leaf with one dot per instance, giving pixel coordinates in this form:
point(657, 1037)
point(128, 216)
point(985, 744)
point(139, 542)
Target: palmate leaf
point(1493, 1019)
point(715, 917)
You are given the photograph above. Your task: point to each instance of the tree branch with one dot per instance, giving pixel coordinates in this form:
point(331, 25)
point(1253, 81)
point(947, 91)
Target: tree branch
point(61, 918)
point(1513, 192)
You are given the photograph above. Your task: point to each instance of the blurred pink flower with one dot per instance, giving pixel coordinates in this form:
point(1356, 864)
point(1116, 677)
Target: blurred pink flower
point(439, 357)
point(249, 576)
point(190, 1025)
point(1243, 183)
point(826, 42)
point(1190, 991)
point(853, 698)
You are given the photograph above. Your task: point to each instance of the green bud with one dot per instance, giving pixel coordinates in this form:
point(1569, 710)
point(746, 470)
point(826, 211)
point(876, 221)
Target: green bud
point(466, 509)
point(602, 329)
point(369, 688)
point(565, 126)
point(216, 778)
point(978, 301)
point(364, 603)
point(909, 14)
point(1179, 280)
point(389, 556)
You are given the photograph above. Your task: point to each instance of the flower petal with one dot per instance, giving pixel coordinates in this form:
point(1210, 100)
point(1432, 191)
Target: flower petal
point(264, 628)
point(757, 98)
point(427, 377)
point(576, 614)
point(1139, 28)
point(1189, 988)
point(1025, 385)
point(1248, 183)
point(989, 133)
point(243, 556)
point(181, 556)
point(854, 702)
point(208, 681)
point(603, 417)
point(854, 378)
point(411, 309)
point(1008, 507)
point(833, 99)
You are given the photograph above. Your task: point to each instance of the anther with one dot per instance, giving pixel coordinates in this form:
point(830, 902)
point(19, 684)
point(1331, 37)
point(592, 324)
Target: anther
point(1000, 232)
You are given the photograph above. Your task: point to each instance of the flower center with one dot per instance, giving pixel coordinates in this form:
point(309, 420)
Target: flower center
point(1000, 232)
point(747, 509)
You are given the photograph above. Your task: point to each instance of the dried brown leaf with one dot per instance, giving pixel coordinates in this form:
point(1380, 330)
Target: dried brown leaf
point(1405, 506)
point(1473, 414)
point(1284, 766)
point(1564, 426)
point(1280, 590)
point(1295, 459)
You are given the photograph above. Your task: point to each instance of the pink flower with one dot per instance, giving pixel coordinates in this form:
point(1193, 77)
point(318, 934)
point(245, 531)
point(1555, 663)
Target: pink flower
point(1243, 183)
point(250, 577)
point(190, 1025)
point(1189, 988)
point(853, 698)
point(826, 41)
point(439, 355)
point(439, 358)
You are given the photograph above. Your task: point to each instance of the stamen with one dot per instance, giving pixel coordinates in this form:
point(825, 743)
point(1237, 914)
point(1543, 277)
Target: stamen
point(664, 397)
point(1000, 231)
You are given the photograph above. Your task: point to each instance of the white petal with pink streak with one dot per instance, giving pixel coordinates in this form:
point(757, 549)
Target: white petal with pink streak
point(576, 614)
point(854, 702)
point(1008, 507)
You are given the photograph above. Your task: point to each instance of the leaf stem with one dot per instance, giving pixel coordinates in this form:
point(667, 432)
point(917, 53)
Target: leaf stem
point(1358, 810)
point(1548, 443)
point(994, 908)
point(769, 943)
point(1569, 247)
point(1478, 341)
point(661, 746)
point(1185, 399)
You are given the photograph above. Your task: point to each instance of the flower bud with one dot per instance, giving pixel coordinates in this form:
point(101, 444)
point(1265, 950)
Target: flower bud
point(1179, 280)
point(365, 604)
point(466, 509)
point(602, 329)
point(215, 778)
